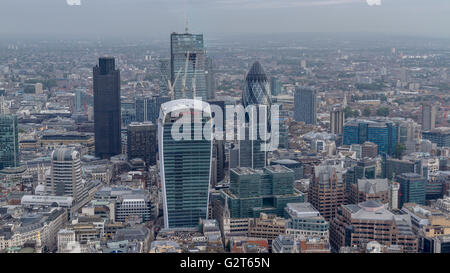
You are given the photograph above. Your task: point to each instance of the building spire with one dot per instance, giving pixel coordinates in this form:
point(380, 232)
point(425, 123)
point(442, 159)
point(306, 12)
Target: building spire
point(186, 25)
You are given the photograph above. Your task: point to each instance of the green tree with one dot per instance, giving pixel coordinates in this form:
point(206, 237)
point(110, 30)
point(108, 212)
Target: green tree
point(366, 112)
point(383, 111)
point(399, 150)
point(348, 112)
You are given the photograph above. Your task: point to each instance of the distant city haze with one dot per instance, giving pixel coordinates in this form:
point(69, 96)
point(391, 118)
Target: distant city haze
point(150, 18)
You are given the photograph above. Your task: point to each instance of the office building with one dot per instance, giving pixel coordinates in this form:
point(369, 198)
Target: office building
point(256, 92)
point(294, 165)
point(187, 66)
point(428, 116)
point(283, 244)
point(337, 121)
point(275, 86)
point(382, 132)
point(185, 164)
point(107, 109)
point(370, 189)
point(394, 167)
point(412, 188)
point(327, 190)
point(9, 142)
point(357, 225)
point(65, 175)
point(257, 87)
point(305, 221)
point(440, 136)
point(210, 79)
point(369, 149)
point(305, 105)
point(141, 142)
point(265, 190)
point(266, 226)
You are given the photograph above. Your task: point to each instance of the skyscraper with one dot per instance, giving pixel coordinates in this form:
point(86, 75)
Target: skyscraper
point(305, 105)
point(428, 116)
point(327, 190)
point(185, 163)
point(256, 92)
point(210, 79)
point(257, 87)
point(141, 142)
point(65, 174)
point(337, 121)
point(187, 66)
point(107, 109)
point(9, 141)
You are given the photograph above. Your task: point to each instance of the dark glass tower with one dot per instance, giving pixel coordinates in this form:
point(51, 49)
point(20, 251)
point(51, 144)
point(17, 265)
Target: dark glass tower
point(9, 141)
point(107, 120)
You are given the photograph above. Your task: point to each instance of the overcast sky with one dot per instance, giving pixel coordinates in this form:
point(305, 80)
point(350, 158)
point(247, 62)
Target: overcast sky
point(148, 18)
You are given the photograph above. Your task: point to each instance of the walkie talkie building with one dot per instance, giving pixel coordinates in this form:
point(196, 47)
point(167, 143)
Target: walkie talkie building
point(185, 164)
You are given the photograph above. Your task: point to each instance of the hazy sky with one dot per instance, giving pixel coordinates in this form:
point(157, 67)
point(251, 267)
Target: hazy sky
point(147, 18)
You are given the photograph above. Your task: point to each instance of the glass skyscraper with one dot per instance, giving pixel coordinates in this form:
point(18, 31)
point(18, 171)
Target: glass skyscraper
point(185, 165)
point(305, 105)
point(187, 66)
point(9, 141)
point(256, 92)
point(107, 109)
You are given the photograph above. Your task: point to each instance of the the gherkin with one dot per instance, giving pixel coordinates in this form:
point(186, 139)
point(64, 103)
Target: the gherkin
point(257, 87)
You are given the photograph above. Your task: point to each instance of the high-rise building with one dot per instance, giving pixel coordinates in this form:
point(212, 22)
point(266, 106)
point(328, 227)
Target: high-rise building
point(265, 190)
point(337, 121)
point(412, 188)
point(428, 116)
point(327, 190)
point(275, 86)
point(164, 77)
point(256, 92)
point(210, 79)
point(147, 109)
point(141, 142)
point(185, 164)
point(257, 87)
point(187, 66)
point(107, 109)
point(251, 153)
point(305, 105)
point(382, 132)
point(65, 175)
point(9, 141)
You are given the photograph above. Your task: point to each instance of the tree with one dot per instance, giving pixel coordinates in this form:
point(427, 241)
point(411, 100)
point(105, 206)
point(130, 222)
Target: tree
point(383, 111)
point(355, 113)
point(366, 112)
point(399, 150)
point(348, 112)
